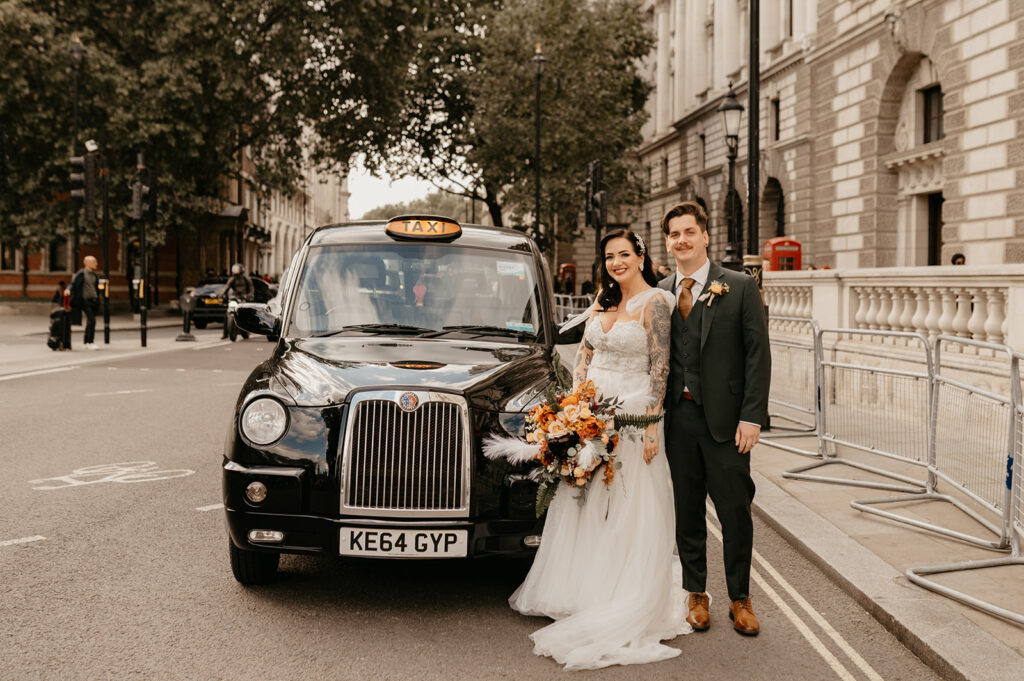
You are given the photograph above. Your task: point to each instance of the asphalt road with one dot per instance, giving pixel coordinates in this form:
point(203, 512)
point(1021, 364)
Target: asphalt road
point(122, 571)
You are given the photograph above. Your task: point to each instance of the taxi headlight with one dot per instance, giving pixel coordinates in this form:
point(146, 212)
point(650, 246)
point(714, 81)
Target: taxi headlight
point(264, 421)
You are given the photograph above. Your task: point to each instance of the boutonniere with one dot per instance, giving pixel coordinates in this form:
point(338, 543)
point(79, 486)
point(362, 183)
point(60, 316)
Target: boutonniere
point(716, 289)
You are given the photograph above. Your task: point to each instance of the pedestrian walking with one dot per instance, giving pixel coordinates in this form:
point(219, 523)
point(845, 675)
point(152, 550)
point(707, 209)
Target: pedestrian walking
point(85, 298)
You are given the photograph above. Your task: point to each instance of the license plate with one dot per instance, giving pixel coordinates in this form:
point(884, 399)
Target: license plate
point(213, 301)
point(403, 543)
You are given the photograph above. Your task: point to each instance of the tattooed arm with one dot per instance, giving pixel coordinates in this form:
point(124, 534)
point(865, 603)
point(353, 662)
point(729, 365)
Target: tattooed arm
point(584, 354)
point(658, 324)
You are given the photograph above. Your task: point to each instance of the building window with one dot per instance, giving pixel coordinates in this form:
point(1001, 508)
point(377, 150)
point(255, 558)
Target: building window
point(789, 19)
point(932, 114)
point(650, 178)
point(702, 142)
point(935, 228)
point(664, 171)
point(776, 117)
point(58, 256)
point(7, 257)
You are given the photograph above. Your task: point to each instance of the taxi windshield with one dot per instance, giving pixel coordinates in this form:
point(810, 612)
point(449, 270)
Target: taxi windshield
point(429, 290)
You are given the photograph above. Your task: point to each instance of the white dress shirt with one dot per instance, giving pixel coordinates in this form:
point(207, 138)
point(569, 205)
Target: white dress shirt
point(700, 278)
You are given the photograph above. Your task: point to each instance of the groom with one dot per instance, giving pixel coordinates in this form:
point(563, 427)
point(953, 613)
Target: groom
point(716, 402)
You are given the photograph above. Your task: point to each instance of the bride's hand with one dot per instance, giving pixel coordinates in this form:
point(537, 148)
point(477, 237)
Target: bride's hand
point(651, 442)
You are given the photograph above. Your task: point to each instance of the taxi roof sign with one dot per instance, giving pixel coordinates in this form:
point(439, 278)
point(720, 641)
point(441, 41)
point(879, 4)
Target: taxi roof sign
point(425, 227)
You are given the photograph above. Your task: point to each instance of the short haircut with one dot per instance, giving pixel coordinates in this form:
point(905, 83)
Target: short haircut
point(686, 208)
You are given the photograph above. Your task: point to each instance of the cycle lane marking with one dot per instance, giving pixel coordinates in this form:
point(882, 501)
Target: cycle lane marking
point(837, 666)
point(123, 472)
point(22, 540)
point(118, 392)
point(211, 507)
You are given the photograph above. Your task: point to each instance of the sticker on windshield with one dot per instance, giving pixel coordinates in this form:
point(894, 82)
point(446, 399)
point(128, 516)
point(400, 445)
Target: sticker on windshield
point(512, 268)
point(519, 326)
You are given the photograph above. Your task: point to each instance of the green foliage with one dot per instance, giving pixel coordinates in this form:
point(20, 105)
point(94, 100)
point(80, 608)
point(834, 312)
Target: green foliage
point(434, 203)
point(545, 495)
point(193, 83)
point(472, 120)
point(639, 421)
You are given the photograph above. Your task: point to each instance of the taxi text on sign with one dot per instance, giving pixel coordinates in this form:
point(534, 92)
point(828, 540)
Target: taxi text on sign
point(423, 228)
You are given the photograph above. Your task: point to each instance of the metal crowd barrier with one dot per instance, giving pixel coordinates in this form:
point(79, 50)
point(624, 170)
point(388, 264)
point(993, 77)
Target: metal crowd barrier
point(566, 305)
point(975, 435)
point(864, 407)
point(1015, 486)
point(794, 405)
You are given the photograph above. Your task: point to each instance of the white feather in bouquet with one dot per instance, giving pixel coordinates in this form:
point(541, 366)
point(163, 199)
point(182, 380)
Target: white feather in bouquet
point(587, 456)
point(510, 448)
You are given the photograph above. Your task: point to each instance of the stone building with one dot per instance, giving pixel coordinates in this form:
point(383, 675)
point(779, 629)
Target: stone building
point(888, 128)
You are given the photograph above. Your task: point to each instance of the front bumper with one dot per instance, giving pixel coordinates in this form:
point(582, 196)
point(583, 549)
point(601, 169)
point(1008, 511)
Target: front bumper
point(320, 535)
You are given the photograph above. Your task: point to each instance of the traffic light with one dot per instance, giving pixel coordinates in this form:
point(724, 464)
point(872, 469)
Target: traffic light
point(144, 195)
point(84, 170)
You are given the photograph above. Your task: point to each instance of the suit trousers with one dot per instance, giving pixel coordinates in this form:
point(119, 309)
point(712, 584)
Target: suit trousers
point(700, 467)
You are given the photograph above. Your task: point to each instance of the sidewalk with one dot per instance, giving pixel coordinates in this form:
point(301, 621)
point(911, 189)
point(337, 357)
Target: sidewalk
point(868, 555)
point(23, 332)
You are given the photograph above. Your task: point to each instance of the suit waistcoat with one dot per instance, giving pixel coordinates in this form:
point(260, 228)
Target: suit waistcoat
point(685, 356)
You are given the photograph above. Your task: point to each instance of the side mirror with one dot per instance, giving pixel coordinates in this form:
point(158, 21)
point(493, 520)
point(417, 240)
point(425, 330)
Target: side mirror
point(257, 318)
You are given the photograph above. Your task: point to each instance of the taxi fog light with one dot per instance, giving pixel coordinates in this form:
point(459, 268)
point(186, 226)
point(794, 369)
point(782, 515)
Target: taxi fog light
point(532, 541)
point(264, 421)
point(266, 536)
point(256, 492)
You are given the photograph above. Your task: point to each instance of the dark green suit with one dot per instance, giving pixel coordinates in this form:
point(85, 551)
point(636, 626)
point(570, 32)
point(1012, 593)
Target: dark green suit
point(721, 354)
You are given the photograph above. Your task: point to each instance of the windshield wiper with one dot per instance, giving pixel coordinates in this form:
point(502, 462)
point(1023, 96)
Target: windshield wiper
point(376, 328)
point(484, 330)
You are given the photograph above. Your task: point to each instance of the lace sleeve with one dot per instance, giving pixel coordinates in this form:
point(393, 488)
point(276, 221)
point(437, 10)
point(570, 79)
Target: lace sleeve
point(658, 324)
point(581, 365)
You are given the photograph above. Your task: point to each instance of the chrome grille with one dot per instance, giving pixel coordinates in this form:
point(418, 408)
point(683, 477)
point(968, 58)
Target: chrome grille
point(406, 463)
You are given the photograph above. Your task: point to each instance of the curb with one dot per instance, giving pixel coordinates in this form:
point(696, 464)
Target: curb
point(930, 627)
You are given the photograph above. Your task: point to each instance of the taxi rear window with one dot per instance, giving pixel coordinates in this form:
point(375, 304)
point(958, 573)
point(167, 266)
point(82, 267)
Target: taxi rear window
point(427, 287)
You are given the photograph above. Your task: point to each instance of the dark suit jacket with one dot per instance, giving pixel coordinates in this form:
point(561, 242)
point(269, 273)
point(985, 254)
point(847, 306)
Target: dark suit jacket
point(735, 359)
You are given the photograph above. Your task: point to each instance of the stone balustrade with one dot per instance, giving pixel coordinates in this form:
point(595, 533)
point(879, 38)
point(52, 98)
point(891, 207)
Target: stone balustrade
point(983, 303)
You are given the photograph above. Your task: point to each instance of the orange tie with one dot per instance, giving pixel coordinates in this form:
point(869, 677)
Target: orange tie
point(685, 297)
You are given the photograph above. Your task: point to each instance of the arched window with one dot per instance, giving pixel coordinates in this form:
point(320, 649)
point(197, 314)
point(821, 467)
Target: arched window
point(773, 210)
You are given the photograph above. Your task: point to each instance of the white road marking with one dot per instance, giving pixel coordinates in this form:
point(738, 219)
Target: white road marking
point(179, 369)
point(211, 507)
point(143, 369)
point(816, 643)
point(118, 392)
point(218, 371)
point(128, 471)
point(23, 540)
point(10, 377)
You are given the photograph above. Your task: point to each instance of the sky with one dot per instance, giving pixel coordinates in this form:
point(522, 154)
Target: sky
point(368, 192)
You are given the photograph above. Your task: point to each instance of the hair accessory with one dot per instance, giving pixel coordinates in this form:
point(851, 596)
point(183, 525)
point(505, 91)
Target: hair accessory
point(640, 244)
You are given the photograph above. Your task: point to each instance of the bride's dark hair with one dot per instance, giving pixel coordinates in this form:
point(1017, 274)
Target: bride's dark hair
point(610, 295)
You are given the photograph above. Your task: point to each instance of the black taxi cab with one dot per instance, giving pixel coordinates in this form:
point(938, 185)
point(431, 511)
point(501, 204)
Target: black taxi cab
point(400, 346)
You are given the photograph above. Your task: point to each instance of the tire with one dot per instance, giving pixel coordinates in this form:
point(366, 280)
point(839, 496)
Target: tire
point(199, 323)
point(253, 567)
point(232, 329)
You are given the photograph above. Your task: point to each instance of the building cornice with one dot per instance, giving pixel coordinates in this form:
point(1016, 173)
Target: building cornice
point(654, 145)
point(861, 33)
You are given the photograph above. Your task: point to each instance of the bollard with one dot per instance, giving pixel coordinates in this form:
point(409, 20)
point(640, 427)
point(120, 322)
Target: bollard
point(186, 334)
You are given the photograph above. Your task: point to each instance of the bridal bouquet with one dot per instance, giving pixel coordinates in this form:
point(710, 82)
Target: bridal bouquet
point(571, 435)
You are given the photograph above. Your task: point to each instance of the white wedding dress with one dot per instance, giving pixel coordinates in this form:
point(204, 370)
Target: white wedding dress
point(605, 569)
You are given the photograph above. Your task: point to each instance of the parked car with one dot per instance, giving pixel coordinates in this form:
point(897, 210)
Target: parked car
point(207, 301)
point(401, 346)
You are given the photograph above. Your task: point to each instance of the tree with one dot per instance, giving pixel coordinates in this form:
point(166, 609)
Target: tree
point(439, 203)
point(472, 126)
point(193, 83)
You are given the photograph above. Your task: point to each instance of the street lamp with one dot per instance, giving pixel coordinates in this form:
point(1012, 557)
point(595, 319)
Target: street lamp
point(76, 53)
point(538, 66)
point(732, 111)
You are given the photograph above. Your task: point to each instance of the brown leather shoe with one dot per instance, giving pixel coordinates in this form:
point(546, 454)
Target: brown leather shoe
point(699, 618)
point(743, 618)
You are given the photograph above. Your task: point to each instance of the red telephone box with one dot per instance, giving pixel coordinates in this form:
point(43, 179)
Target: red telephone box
point(782, 253)
point(567, 275)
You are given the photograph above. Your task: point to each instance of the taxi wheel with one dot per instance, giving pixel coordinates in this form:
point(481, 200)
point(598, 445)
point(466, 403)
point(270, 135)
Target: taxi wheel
point(199, 323)
point(253, 567)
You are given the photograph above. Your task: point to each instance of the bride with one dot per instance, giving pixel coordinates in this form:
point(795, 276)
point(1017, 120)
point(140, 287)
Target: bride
point(605, 570)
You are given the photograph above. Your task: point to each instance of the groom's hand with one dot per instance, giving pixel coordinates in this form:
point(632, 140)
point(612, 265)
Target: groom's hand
point(747, 435)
